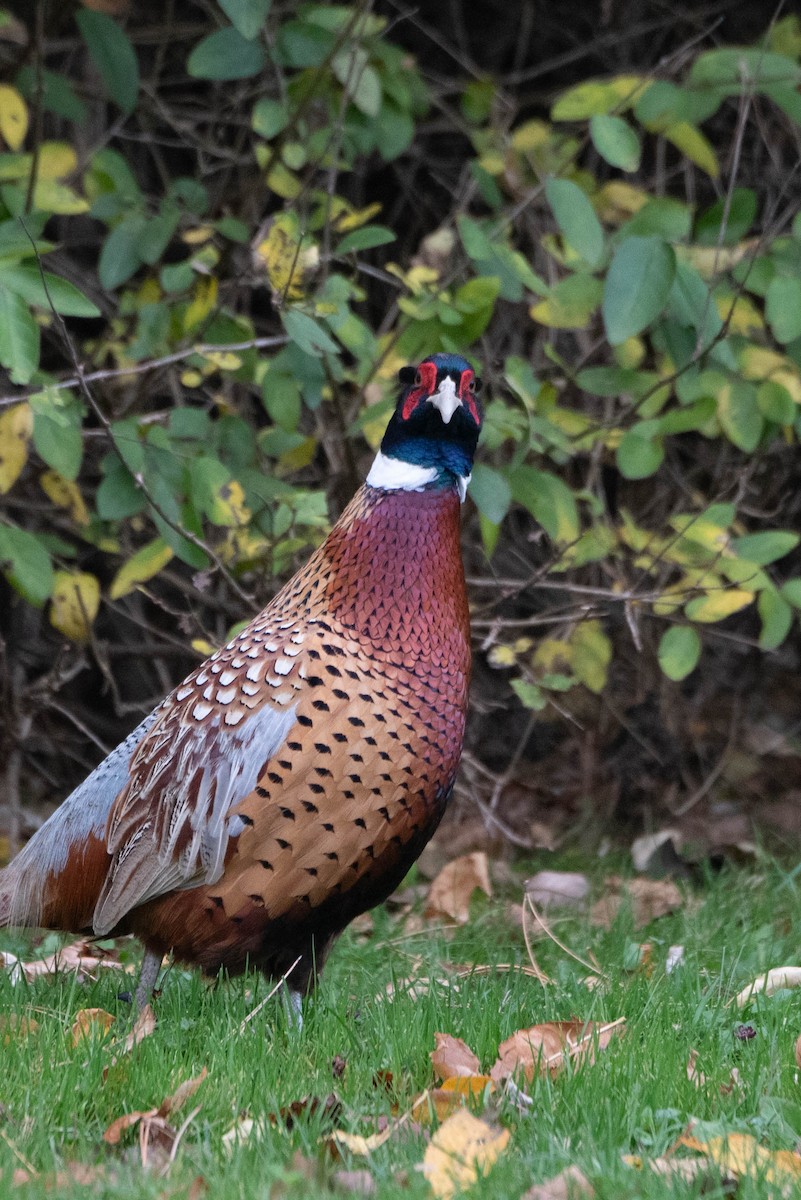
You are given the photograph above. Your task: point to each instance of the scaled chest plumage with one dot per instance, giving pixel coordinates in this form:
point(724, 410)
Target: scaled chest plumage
point(364, 658)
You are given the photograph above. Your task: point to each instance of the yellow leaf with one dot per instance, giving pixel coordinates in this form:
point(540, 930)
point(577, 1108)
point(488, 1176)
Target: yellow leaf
point(758, 363)
point(531, 135)
point(616, 201)
point(56, 160)
point(694, 145)
point(65, 494)
point(197, 236)
point(146, 563)
point(741, 313)
point(203, 647)
point(591, 654)
point(714, 260)
point(191, 378)
point(74, 604)
point(354, 218)
point(13, 116)
point(287, 255)
point(552, 655)
point(228, 506)
point(354, 1143)
point(221, 360)
point(741, 1155)
point(53, 197)
point(461, 1151)
point(203, 303)
point(716, 606)
point(90, 1022)
point(16, 427)
point(281, 181)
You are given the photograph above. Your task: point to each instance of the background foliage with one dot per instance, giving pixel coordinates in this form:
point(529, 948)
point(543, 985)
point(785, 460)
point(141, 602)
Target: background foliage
point(223, 228)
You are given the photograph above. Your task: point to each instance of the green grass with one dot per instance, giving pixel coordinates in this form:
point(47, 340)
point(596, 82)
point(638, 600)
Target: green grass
point(636, 1098)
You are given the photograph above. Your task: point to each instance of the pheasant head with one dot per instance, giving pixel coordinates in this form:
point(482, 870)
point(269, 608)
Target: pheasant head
point(432, 435)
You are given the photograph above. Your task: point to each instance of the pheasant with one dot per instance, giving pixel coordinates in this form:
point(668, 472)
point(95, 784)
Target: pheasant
point(288, 784)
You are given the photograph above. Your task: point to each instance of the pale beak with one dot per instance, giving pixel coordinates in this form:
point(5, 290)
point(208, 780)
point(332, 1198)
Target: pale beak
point(446, 399)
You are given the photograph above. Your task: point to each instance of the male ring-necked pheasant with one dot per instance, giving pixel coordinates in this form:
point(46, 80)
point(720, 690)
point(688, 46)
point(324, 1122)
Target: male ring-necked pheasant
point(288, 784)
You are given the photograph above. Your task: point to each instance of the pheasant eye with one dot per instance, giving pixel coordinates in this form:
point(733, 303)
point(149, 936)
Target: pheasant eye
point(418, 379)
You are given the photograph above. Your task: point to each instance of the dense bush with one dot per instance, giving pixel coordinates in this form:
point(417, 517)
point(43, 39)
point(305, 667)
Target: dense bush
point(219, 241)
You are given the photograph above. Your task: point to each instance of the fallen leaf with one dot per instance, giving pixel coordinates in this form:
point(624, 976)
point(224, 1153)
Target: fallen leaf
point(454, 1093)
point(143, 1027)
point(452, 1056)
point(330, 1107)
point(241, 1131)
point(461, 1151)
point(158, 1141)
point(547, 1047)
point(797, 1051)
point(450, 893)
point(649, 898)
point(90, 1021)
point(687, 1169)
point(82, 958)
point(14, 1027)
point(772, 981)
point(569, 1184)
point(564, 888)
point(356, 1143)
point(655, 850)
point(694, 1073)
point(740, 1155)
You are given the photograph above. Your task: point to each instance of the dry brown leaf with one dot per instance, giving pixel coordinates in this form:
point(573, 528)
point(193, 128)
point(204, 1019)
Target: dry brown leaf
point(741, 1156)
point(81, 957)
point(547, 1047)
point(687, 1169)
point(798, 1052)
point(450, 893)
point(74, 1174)
point(158, 1141)
point(452, 1056)
point(356, 1143)
point(563, 888)
point(454, 1093)
point(569, 1184)
point(461, 1151)
point(241, 1131)
point(772, 981)
point(14, 1027)
point(649, 898)
point(90, 1021)
point(144, 1025)
point(694, 1073)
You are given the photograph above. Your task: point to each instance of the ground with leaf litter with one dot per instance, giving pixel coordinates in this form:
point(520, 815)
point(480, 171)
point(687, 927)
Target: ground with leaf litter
point(583, 1033)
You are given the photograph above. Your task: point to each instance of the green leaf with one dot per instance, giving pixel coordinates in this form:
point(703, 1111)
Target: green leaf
point(639, 455)
point(307, 333)
point(616, 141)
point(26, 564)
point(783, 307)
point(576, 219)
point(637, 286)
point(776, 616)
point(366, 238)
point(19, 337)
point(679, 651)
point(791, 590)
point(775, 403)
point(549, 500)
point(269, 117)
point(113, 56)
point(57, 418)
point(662, 216)
point(118, 495)
point(281, 396)
point(225, 55)
point(764, 548)
point(490, 492)
point(739, 210)
point(570, 303)
point(26, 280)
point(360, 81)
point(739, 414)
point(529, 694)
point(120, 257)
point(247, 16)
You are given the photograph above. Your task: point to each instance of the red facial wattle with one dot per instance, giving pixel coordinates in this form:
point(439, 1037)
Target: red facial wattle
point(467, 394)
point(425, 385)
